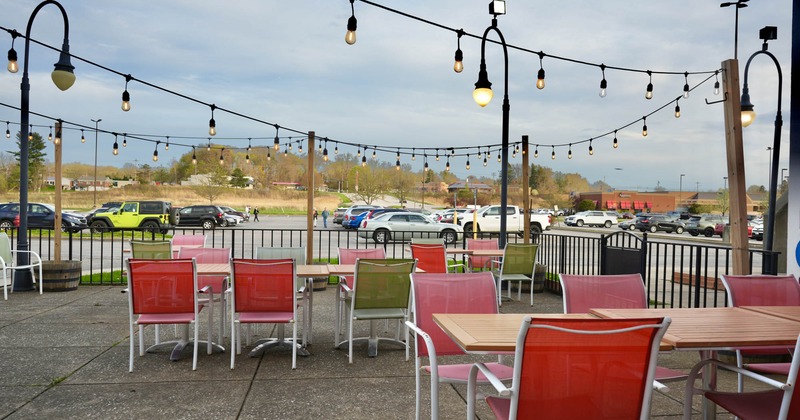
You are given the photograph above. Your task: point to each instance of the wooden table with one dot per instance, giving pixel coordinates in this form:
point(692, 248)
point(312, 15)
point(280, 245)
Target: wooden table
point(786, 312)
point(350, 269)
point(489, 333)
point(477, 252)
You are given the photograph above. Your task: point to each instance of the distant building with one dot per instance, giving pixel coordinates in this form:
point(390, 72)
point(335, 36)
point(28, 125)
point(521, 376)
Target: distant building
point(287, 185)
point(87, 182)
point(66, 183)
point(654, 202)
point(460, 185)
point(197, 180)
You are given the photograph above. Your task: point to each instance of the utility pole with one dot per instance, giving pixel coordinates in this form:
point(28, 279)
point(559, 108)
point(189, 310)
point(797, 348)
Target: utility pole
point(94, 182)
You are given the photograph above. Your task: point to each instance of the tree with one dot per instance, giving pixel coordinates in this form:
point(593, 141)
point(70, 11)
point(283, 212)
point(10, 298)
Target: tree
point(36, 154)
point(213, 186)
point(371, 183)
point(238, 179)
point(723, 200)
point(585, 205)
point(403, 182)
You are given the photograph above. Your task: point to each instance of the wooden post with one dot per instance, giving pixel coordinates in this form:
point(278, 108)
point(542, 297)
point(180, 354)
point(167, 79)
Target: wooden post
point(735, 157)
point(57, 228)
point(310, 200)
point(526, 193)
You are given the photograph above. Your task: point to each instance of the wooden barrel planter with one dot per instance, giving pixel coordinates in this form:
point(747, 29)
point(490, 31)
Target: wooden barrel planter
point(60, 276)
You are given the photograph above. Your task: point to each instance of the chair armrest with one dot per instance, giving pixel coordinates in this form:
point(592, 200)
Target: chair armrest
point(472, 386)
point(695, 372)
point(345, 287)
point(206, 289)
point(14, 251)
point(658, 386)
point(428, 343)
point(452, 267)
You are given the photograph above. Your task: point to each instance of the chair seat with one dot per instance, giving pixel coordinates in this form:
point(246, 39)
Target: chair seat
point(165, 318)
point(382, 313)
point(515, 277)
point(751, 405)
point(266, 317)
point(666, 374)
point(500, 407)
point(459, 373)
point(773, 368)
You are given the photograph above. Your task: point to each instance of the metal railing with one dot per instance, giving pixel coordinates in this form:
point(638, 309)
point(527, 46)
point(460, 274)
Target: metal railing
point(675, 274)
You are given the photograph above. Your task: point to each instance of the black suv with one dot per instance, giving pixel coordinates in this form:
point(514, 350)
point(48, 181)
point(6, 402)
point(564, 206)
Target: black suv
point(659, 222)
point(208, 217)
point(40, 216)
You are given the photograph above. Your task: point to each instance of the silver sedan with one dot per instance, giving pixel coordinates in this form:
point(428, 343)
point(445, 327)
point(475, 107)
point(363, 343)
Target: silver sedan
point(403, 226)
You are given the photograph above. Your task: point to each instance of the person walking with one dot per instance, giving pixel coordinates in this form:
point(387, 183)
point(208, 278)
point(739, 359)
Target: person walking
point(255, 214)
point(315, 217)
point(247, 213)
point(325, 214)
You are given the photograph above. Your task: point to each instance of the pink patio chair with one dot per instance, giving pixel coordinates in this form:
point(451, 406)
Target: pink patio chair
point(432, 258)
point(345, 289)
point(476, 263)
point(773, 403)
point(264, 292)
point(217, 283)
point(165, 292)
point(577, 368)
point(187, 241)
point(761, 290)
point(468, 293)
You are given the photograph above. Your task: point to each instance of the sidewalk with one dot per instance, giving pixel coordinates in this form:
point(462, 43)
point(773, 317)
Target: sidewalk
point(65, 355)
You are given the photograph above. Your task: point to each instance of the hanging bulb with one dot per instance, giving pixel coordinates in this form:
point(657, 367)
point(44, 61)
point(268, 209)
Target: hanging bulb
point(221, 156)
point(398, 154)
point(155, 155)
point(616, 143)
point(467, 166)
point(126, 97)
point(319, 147)
point(325, 152)
point(686, 86)
point(458, 66)
point(397, 164)
point(644, 127)
point(125, 140)
point(352, 24)
point(194, 156)
point(247, 158)
point(553, 155)
point(485, 162)
point(300, 147)
point(649, 93)
point(57, 140)
point(364, 160)
point(358, 152)
point(208, 149)
point(269, 155)
point(603, 83)
point(83, 138)
point(540, 74)
point(426, 165)
point(499, 157)
point(536, 152)
point(30, 132)
point(591, 150)
point(8, 131)
point(447, 166)
point(166, 146)
point(569, 154)
point(290, 143)
point(277, 142)
point(50, 135)
point(116, 146)
point(437, 155)
point(513, 153)
point(716, 83)
point(212, 125)
point(677, 110)
point(483, 87)
point(336, 149)
point(13, 67)
point(413, 154)
point(374, 156)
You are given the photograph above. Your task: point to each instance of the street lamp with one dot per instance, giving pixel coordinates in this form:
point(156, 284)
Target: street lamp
point(739, 5)
point(680, 190)
point(483, 94)
point(748, 115)
point(63, 77)
point(96, 122)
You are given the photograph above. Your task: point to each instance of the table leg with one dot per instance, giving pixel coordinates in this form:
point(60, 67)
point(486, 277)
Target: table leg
point(709, 409)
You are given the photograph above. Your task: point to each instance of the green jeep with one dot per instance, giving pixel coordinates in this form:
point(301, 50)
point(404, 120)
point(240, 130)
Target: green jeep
point(147, 215)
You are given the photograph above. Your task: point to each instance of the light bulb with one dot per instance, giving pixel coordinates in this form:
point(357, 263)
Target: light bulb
point(155, 155)
point(13, 67)
point(603, 86)
point(124, 142)
point(649, 93)
point(482, 96)
point(194, 157)
point(126, 101)
point(458, 66)
point(644, 130)
point(350, 35)
point(83, 138)
point(212, 127)
point(686, 91)
point(716, 87)
point(677, 111)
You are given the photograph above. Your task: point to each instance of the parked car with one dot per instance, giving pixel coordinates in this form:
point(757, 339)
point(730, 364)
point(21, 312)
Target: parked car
point(660, 223)
point(627, 215)
point(230, 210)
point(758, 232)
point(352, 212)
point(146, 215)
point(403, 226)
point(208, 217)
point(719, 229)
point(40, 216)
point(338, 215)
point(447, 214)
point(628, 224)
point(591, 218)
point(231, 219)
point(704, 224)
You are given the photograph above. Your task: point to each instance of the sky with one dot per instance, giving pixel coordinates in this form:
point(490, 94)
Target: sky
point(287, 63)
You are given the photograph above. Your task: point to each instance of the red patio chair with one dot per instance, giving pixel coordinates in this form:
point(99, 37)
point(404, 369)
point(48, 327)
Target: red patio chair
point(577, 368)
point(432, 258)
point(582, 293)
point(468, 293)
point(473, 262)
point(187, 241)
point(345, 289)
point(217, 283)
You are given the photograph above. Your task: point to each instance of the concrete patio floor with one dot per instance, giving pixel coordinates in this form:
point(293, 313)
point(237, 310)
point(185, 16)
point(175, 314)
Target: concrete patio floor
point(65, 355)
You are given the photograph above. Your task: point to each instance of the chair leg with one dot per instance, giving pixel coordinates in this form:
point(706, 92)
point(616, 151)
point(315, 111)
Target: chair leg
point(350, 340)
point(233, 343)
point(141, 340)
point(130, 338)
point(196, 338)
point(294, 343)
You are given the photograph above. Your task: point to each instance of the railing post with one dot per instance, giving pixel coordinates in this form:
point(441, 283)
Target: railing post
point(697, 267)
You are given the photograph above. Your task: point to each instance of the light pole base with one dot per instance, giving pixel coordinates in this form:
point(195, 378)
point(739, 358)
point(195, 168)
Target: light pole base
point(23, 281)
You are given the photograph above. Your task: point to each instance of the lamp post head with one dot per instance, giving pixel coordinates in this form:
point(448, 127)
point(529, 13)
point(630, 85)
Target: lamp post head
point(497, 7)
point(483, 87)
point(63, 75)
point(748, 114)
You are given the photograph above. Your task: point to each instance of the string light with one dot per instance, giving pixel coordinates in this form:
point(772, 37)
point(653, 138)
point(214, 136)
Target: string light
point(458, 66)
point(644, 127)
point(716, 83)
point(125, 140)
point(269, 155)
point(319, 147)
point(397, 164)
point(352, 24)
point(603, 85)
point(336, 149)
point(591, 150)
point(277, 142)
point(536, 152)
point(616, 143)
point(686, 85)
point(485, 162)
point(212, 125)
point(155, 152)
point(467, 166)
point(649, 93)
point(116, 146)
point(374, 156)
point(247, 158)
point(194, 156)
point(358, 155)
point(447, 166)
point(13, 67)
point(553, 155)
point(126, 97)
point(677, 109)
point(166, 146)
point(30, 132)
point(83, 138)
point(398, 154)
point(8, 131)
point(426, 163)
point(413, 154)
point(57, 140)
point(290, 143)
point(499, 157)
point(540, 74)
point(569, 154)
point(300, 146)
point(208, 149)
point(222, 156)
point(50, 135)
point(364, 158)
point(437, 155)
point(325, 151)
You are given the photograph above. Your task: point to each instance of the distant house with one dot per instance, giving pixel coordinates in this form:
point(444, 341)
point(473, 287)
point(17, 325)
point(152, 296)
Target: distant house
point(197, 180)
point(472, 186)
point(287, 185)
point(435, 187)
point(119, 183)
point(87, 182)
point(66, 183)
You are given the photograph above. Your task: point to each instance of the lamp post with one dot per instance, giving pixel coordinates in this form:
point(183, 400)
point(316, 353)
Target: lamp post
point(483, 95)
point(739, 5)
point(96, 122)
point(680, 190)
point(63, 78)
point(748, 115)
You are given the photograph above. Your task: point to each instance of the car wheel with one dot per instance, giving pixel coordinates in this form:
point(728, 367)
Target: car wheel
point(678, 230)
point(97, 227)
point(693, 233)
point(381, 236)
point(150, 226)
point(536, 229)
point(208, 224)
point(468, 229)
point(224, 223)
point(449, 236)
point(579, 223)
point(631, 227)
point(64, 226)
point(709, 233)
point(6, 225)
point(653, 229)
point(607, 224)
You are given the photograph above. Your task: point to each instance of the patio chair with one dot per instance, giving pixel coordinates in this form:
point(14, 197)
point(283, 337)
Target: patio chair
point(474, 263)
point(217, 283)
point(265, 292)
point(432, 258)
point(584, 292)
point(8, 263)
point(345, 289)
point(381, 290)
point(306, 292)
point(187, 241)
point(577, 368)
point(773, 403)
point(518, 265)
point(165, 292)
point(468, 293)
point(427, 241)
point(761, 290)
point(151, 250)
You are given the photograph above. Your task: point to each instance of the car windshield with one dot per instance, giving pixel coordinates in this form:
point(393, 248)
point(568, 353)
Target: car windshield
point(384, 216)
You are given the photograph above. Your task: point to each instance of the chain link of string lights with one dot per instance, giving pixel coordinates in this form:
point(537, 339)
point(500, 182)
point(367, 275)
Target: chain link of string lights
point(482, 152)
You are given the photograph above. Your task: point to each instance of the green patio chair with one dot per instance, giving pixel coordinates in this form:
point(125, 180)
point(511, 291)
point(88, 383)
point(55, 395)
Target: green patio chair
point(151, 250)
point(518, 264)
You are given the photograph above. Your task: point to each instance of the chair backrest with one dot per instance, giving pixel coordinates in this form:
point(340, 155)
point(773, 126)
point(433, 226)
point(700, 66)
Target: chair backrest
point(162, 286)
point(151, 250)
point(464, 293)
point(519, 259)
point(5, 248)
point(190, 240)
point(429, 241)
point(582, 293)
point(475, 262)
point(349, 256)
point(566, 368)
point(431, 258)
point(273, 253)
point(762, 290)
point(382, 283)
point(264, 285)
point(207, 255)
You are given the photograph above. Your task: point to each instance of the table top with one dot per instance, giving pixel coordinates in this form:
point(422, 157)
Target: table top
point(302, 270)
point(489, 333)
point(477, 252)
point(350, 269)
point(214, 269)
point(786, 312)
point(715, 328)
